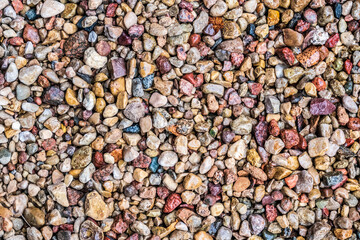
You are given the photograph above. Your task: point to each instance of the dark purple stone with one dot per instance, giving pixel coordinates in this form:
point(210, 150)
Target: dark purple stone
point(124, 39)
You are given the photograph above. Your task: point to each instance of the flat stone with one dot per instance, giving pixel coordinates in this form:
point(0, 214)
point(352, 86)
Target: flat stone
point(29, 75)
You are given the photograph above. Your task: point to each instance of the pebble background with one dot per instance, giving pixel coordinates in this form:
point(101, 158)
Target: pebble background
point(179, 119)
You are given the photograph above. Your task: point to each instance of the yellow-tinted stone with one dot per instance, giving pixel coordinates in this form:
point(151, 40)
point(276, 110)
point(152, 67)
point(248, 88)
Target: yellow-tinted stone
point(122, 100)
point(146, 69)
point(253, 157)
point(202, 235)
point(70, 10)
point(100, 105)
point(70, 97)
point(310, 89)
point(117, 86)
point(101, 77)
point(192, 182)
point(273, 17)
point(343, 233)
point(139, 174)
point(281, 172)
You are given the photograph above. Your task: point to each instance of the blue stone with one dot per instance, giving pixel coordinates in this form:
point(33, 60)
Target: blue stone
point(338, 10)
point(31, 14)
point(214, 227)
point(148, 81)
point(154, 165)
point(92, 36)
point(332, 178)
point(267, 235)
point(132, 129)
point(251, 30)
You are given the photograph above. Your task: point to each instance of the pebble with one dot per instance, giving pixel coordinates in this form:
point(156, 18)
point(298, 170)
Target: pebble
point(51, 8)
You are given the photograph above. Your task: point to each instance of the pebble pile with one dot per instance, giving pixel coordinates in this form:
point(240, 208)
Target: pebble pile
point(179, 119)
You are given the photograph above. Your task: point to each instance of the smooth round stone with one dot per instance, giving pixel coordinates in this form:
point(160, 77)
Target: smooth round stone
point(29, 75)
point(93, 59)
point(168, 159)
point(12, 73)
point(5, 156)
point(22, 92)
point(130, 19)
point(157, 100)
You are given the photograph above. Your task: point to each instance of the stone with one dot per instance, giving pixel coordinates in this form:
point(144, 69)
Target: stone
point(321, 106)
point(192, 182)
point(292, 38)
point(117, 67)
point(93, 59)
point(51, 8)
point(29, 75)
point(81, 157)
point(231, 30)
point(59, 194)
point(5, 156)
point(34, 216)
point(318, 146)
point(237, 150)
point(76, 44)
point(95, 207)
point(134, 111)
point(168, 159)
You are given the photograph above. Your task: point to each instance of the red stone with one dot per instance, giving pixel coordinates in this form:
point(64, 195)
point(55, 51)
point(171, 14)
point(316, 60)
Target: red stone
point(194, 39)
point(172, 202)
point(76, 44)
point(274, 129)
point(119, 225)
point(255, 88)
point(111, 9)
point(16, 41)
point(324, 52)
point(354, 124)
point(348, 66)
point(319, 83)
point(185, 87)
point(162, 192)
point(321, 106)
point(185, 16)
point(349, 142)
point(142, 161)
point(67, 227)
point(189, 77)
point(291, 181)
point(236, 59)
point(98, 160)
point(252, 46)
point(277, 195)
point(17, 5)
point(271, 213)
point(199, 80)
point(22, 157)
point(290, 137)
point(302, 143)
point(31, 34)
point(287, 55)
point(249, 102)
point(332, 41)
point(163, 64)
point(48, 144)
point(302, 26)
